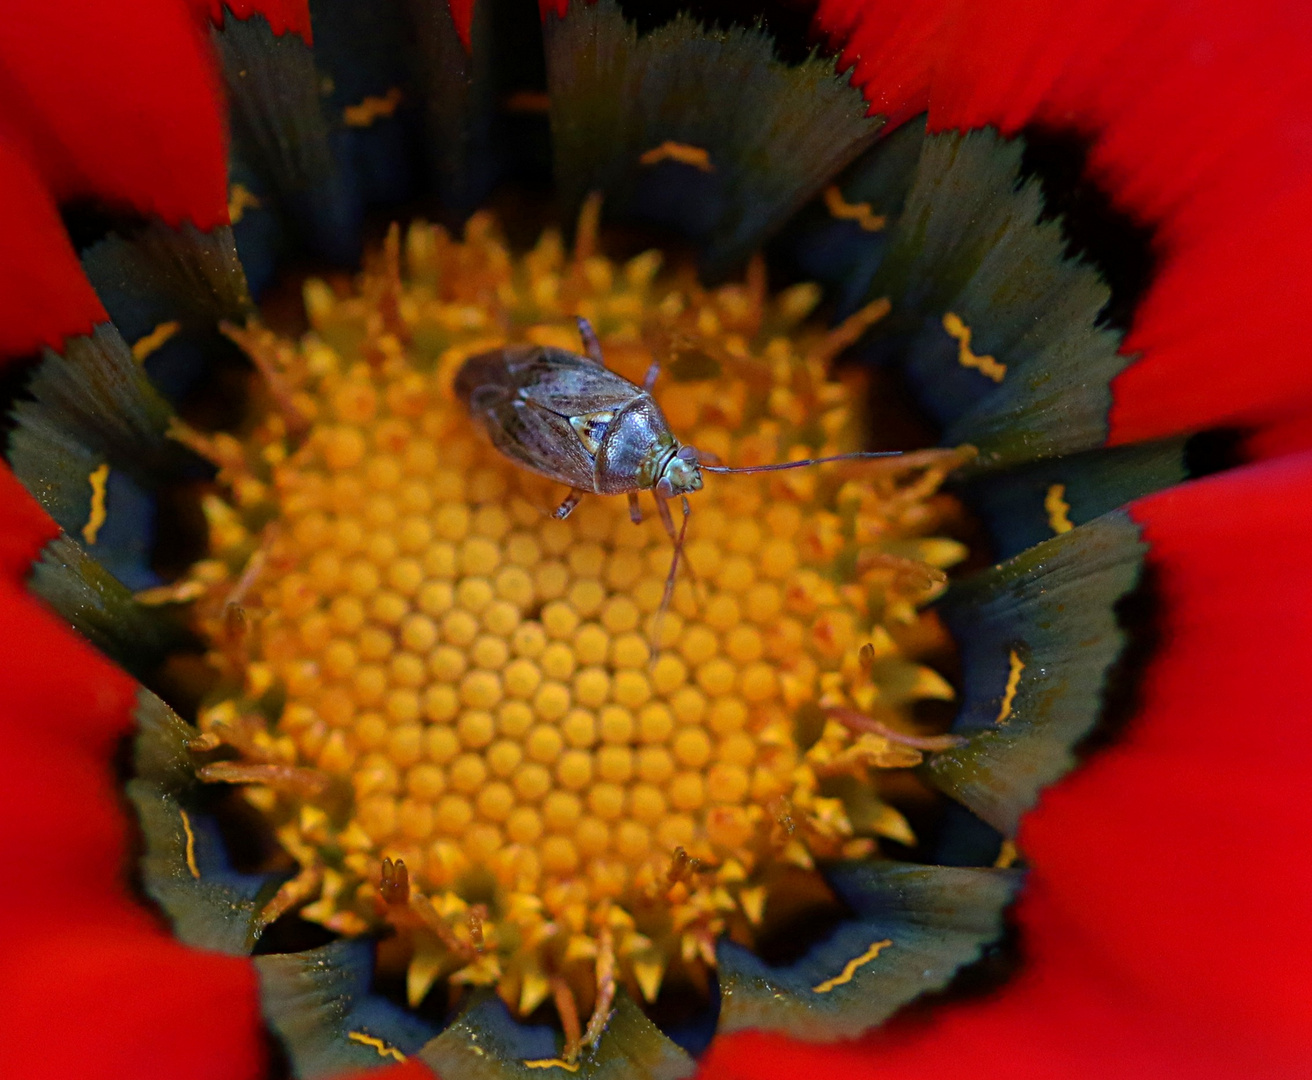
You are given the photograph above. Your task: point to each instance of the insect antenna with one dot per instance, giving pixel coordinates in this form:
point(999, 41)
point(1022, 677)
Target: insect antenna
point(668, 594)
point(799, 464)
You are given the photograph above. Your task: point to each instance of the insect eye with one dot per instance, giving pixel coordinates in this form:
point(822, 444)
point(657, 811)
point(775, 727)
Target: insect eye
point(664, 488)
point(688, 453)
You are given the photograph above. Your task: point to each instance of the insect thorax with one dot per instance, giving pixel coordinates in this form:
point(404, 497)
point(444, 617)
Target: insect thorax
point(635, 450)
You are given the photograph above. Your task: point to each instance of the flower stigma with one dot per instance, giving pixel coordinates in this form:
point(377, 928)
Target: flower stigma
point(452, 708)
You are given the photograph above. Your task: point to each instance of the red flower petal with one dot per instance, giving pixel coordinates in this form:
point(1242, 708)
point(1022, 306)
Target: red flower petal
point(1164, 921)
point(137, 122)
point(97, 1001)
point(44, 296)
point(1197, 116)
point(282, 15)
point(92, 984)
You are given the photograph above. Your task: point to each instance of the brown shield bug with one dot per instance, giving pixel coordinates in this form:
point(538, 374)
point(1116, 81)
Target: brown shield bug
point(569, 417)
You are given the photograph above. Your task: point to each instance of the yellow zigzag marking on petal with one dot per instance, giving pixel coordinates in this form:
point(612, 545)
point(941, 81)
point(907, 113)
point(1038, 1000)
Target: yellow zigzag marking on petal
point(552, 1063)
point(849, 969)
point(985, 365)
point(680, 152)
point(191, 843)
point(240, 199)
point(1058, 509)
point(383, 1049)
point(372, 108)
point(91, 529)
point(861, 213)
point(143, 347)
point(1013, 681)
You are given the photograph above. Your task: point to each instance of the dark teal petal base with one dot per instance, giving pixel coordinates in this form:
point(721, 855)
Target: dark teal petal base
point(484, 1043)
point(1037, 635)
point(915, 927)
point(772, 133)
point(318, 1002)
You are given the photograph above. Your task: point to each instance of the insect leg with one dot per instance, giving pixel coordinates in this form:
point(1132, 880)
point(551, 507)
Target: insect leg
point(635, 511)
point(674, 570)
point(591, 346)
point(571, 500)
point(666, 519)
point(653, 373)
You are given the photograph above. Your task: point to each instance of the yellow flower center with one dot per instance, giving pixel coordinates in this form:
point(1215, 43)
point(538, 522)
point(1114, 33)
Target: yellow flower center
point(453, 708)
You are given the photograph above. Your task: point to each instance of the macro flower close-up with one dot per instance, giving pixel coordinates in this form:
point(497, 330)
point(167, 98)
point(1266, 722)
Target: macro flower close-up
point(611, 539)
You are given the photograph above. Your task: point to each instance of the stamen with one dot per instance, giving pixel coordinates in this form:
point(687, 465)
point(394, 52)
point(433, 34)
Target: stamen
point(860, 722)
point(394, 883)
point(292, 894)
point(849, 331)
point(568, 1011)
point(286, 779)
point(605, 987)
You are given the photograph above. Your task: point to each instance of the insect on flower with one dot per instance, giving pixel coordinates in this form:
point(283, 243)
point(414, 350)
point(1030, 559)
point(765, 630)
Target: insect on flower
point(570, 418)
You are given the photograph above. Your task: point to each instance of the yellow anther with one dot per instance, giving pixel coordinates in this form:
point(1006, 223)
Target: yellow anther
point(615, 725)
point(699, 644)
point(452, 815)
point(489, 652)
point(717, 677)
point(655, 764)
point(544, 743)
point(561, 810)
point(631, 689)
point(560, 620)
point(655, 722)
point(579, 728)
point(646, 803)
point(630, 650)
point(592, 687)
point(467, 773)
point(425, 781)
point(557, 661)
point(504, 756)
point(532, 782)
point(586, 597)
point(552, 701)
point(692, 747)
point(688, 791)
point(495, 801)
point(615, 763)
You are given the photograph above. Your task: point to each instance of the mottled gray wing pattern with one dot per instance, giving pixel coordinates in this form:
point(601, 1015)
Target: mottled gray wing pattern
point(569, 384)
point(535, 437)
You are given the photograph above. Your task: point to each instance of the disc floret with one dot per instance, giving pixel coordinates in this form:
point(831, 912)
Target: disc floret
point(451, 707)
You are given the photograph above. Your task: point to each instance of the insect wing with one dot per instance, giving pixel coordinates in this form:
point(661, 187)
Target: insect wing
point(571, 385)
point(535, 437)
point(546, 408)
